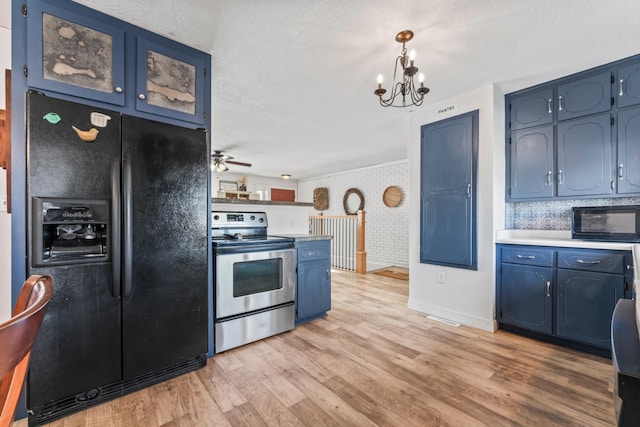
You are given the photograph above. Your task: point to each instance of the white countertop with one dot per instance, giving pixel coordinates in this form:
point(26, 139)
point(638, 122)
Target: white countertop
point(557, 238)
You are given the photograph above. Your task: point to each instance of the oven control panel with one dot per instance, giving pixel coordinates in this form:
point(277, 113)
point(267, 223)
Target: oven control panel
point(222, 219)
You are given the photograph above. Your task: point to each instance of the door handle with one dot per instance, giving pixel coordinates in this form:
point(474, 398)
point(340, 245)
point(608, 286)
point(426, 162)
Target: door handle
point(560, 103)
point(621, 171)
point(549, 177)
point(581, 261)
point(621, 91)
point(548, 288)
point(116, 237)
point(560, 177)
point(468, 190)
point(127, 246)
point(549, 106)
point(525, 256)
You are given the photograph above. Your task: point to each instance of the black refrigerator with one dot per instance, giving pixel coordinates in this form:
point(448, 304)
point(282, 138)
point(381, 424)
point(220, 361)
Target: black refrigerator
point(118, 209)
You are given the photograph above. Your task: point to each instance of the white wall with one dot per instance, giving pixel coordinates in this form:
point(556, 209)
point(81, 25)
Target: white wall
point(387, 229)
point(5, 219)
point(468, 296)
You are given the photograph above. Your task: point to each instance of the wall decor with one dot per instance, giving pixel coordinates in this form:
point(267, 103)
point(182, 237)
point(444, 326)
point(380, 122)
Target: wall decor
point(321, 198)
point(392, 196)
point(345, 201)
point(228, 185)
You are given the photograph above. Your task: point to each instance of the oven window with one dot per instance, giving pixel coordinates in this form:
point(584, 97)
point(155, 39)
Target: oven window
point(253, 277)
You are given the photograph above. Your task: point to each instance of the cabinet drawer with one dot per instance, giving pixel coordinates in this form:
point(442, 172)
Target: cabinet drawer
point(591, 261)
point(528, 255)
point(313, 252)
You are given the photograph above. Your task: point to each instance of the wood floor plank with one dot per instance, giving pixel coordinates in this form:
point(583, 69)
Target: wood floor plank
point(374, 362)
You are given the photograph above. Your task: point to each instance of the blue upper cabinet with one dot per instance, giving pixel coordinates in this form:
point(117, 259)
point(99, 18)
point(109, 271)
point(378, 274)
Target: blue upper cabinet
point(628, 85)
point(577, 137)
point(584, 96)
point(531, 173)
point(449, 151)
point(77, 52)
point(74, 53)
point(584, 157)
point(532, 109)
point(170, 81)
point(627, 170)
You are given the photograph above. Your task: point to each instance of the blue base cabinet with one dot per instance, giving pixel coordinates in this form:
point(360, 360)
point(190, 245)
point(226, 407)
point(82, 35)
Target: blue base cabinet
point(567, 295)
point(313, 291)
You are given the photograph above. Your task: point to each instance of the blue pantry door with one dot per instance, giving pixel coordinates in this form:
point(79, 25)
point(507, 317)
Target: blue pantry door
point(449, 151)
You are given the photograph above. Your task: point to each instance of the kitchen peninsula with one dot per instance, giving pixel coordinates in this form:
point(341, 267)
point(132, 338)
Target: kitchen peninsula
point(284, 217)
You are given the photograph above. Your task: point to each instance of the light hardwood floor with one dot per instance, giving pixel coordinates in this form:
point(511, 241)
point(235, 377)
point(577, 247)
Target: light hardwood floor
point(370, 362)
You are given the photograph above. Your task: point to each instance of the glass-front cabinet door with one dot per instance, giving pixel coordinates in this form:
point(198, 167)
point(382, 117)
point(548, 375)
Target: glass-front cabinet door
point(169, 82)
point(74, 54)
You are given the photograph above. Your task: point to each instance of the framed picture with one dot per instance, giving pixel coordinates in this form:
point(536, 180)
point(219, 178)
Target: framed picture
point(228, 185)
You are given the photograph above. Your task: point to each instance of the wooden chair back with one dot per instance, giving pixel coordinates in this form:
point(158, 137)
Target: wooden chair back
point(17, 336)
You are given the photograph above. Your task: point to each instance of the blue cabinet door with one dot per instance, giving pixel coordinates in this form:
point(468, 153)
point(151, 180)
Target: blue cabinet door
point(585, 305)
point(628, 85)
point(585, 96)
point(74, 50)
point(170, 82)
point(533, 109)
point(627, 170)
point(313, 291)
point(531, 164)
point(584, 157)
point(448, 192)
point(526, 297)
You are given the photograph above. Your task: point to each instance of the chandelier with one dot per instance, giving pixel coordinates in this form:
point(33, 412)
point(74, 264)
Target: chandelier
point(405, 89)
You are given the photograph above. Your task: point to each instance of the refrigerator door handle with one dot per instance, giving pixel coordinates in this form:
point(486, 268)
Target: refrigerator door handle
point(116, 236)
point(127, 224)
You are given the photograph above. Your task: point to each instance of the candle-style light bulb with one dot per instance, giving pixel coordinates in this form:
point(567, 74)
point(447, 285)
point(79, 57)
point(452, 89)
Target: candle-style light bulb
point(380, 78)
point(421, 79)
point(412, 55)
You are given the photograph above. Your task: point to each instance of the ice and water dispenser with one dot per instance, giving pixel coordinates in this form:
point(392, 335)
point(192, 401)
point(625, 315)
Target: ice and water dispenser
point(69, 231)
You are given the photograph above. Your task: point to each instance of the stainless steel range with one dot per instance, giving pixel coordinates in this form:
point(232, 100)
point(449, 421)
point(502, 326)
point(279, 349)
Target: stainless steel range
point(254, 279)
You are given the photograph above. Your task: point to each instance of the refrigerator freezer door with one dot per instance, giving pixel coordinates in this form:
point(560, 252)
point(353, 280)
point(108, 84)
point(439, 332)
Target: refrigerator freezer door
point(165, 303)
point(79, 344)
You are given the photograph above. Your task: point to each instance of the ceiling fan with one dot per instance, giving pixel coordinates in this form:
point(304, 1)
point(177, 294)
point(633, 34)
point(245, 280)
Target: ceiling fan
point(219, 161)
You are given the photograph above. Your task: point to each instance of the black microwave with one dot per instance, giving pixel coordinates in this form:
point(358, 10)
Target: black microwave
point(606, 223)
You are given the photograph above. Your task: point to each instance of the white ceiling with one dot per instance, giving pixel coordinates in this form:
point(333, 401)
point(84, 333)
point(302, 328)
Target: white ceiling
point(293, 80)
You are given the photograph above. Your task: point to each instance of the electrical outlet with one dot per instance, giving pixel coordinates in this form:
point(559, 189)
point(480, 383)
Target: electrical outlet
point(292, 223)
point(442, 278)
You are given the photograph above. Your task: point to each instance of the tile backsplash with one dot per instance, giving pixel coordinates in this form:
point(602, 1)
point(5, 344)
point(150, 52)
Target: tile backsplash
point(552, 215)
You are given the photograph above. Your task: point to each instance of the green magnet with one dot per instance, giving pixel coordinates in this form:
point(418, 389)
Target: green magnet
point(52, 118)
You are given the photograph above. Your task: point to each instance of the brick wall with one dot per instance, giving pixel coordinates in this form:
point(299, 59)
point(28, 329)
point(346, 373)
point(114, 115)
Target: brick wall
point(387, 233)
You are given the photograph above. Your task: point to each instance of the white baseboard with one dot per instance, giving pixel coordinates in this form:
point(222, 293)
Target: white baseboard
point(488, 325)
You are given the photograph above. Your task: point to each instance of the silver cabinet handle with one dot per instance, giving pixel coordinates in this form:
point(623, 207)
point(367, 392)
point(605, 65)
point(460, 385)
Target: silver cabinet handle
point(141, 96)
point(620, 171)
point(549, 106)
point(549, 175)
point(559, 103)
point(560, 177)
point(525, 256)
point(621, 92)
point(581, 261)
point(548, 288)
point(118, 89)
point(468, 190)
